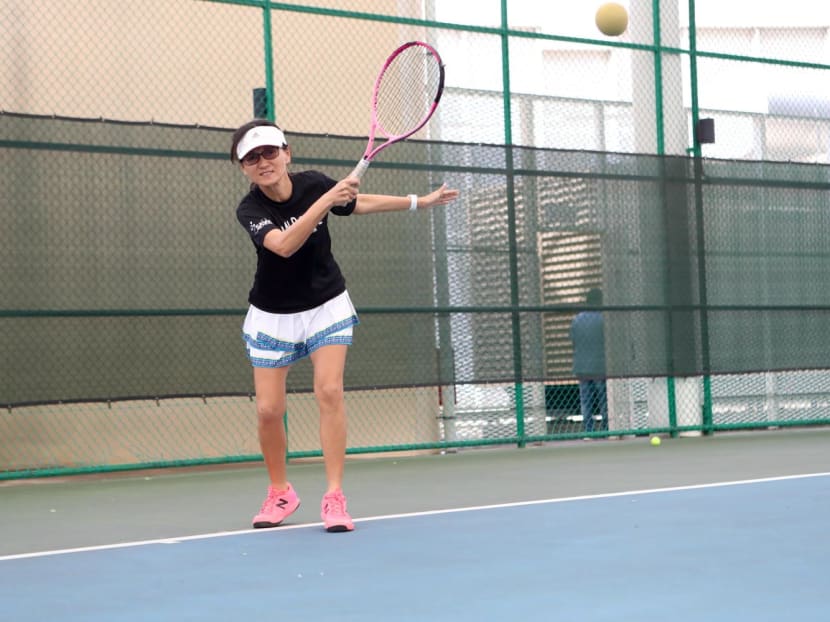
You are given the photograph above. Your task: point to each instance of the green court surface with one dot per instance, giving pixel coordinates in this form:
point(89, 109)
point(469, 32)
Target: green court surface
point(57, 513)
point(707, 528)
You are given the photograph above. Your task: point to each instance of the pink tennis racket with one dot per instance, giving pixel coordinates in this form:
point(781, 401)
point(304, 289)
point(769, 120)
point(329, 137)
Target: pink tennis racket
point(406, 93)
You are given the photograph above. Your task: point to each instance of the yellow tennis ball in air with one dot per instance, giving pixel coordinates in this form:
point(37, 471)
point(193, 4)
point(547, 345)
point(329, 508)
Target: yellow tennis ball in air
point(612, 19)
point(655, 440)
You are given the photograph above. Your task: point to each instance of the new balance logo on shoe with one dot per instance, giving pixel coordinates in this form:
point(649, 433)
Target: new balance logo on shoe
point(278, 505)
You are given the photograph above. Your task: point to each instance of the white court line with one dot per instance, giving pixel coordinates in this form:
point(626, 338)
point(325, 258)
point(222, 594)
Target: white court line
point(222, 534)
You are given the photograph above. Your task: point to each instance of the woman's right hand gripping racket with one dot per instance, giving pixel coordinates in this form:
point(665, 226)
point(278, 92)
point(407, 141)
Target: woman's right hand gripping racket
point(406, 93)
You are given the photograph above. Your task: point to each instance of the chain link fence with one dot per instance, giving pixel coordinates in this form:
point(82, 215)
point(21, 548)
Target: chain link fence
point(580, 166)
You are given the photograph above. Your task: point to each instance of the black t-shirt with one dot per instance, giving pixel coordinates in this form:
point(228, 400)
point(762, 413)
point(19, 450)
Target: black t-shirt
point(310, 276)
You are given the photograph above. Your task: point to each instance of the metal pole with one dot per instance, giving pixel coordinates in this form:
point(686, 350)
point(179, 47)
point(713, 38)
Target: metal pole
point(698, 179)
point(511, 230)
point(269, 60)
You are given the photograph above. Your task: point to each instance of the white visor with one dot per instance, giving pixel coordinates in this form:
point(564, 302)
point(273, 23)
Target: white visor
point(260, 136)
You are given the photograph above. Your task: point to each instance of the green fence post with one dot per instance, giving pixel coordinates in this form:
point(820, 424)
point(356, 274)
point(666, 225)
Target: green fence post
point(658, 78)
point(701, 240)
point(269, 61)
point(511, 231)
point(672, 403)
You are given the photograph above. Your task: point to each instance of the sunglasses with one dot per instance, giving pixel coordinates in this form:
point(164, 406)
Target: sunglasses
point(252, 157)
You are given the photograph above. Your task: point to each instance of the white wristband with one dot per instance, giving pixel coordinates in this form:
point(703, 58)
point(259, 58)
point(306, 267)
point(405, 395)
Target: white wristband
point(413, 202)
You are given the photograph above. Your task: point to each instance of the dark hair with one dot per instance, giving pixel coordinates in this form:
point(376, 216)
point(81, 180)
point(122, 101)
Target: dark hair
point(243, 129)
point(594, 297)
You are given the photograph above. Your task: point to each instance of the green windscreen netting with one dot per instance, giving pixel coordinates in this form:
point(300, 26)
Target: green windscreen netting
point(125, 273)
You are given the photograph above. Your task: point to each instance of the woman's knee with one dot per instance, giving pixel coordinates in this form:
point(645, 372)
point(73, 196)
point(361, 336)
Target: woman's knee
point(269, 413)
point(329, 393)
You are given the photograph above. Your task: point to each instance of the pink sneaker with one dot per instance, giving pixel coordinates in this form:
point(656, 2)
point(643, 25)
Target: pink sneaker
point(334, 514)
point(278, 505)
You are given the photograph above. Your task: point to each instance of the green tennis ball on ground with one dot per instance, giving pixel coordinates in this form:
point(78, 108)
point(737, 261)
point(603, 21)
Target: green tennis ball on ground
point(655, 440)
point(612, 19)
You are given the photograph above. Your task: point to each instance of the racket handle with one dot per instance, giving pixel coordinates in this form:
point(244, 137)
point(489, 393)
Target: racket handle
point(360, 169)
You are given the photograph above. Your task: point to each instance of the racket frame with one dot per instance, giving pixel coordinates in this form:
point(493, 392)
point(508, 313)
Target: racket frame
point(372, 150)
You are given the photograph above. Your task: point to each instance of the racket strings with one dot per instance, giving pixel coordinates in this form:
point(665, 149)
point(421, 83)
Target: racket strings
point(407, 90)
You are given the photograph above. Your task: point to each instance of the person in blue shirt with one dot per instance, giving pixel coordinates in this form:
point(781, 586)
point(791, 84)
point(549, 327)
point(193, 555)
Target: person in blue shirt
point(588, 338)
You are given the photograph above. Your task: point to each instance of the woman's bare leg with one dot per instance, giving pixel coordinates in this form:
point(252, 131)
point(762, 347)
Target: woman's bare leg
point(329, 365)
point(270, 409)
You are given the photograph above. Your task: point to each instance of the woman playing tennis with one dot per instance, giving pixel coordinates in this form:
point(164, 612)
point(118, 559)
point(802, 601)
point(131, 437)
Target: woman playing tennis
point(299, 305)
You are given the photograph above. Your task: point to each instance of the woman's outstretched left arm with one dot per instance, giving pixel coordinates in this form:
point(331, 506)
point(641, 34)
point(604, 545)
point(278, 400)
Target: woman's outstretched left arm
point(375, 203)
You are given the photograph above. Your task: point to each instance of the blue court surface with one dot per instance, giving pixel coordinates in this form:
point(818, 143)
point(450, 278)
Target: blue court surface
point(750, 550)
